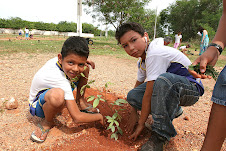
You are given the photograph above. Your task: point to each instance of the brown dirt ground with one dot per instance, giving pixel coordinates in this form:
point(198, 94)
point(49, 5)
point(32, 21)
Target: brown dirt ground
point(17, 71)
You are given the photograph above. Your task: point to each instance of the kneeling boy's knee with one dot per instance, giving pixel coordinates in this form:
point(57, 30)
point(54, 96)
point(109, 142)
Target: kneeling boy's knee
point(130, 96)
point(57, 97)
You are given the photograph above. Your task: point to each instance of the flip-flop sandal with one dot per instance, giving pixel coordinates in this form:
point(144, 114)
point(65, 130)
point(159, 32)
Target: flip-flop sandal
point(34, 138)
point(87, 110)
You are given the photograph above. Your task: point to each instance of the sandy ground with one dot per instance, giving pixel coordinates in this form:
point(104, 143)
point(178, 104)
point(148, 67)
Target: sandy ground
point(17, 71)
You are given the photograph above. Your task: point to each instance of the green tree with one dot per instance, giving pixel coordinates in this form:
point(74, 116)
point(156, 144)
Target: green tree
point(3, 23)
point(147, 19)
point(87, 28)
point(65, 26)
point(188, 15)
point(115, 12)
point(16, 22)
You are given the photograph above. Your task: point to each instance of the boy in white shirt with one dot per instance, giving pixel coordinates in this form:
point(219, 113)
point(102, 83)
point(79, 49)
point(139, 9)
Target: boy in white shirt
point(162, 41)
point(163, 85)
point(52, 88)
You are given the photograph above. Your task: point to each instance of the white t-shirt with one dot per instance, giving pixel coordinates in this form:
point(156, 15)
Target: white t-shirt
point(158, 60)
point(157, 41)
point(26, 31)
point(177, 38)
point(182, 47)
point(50, 76)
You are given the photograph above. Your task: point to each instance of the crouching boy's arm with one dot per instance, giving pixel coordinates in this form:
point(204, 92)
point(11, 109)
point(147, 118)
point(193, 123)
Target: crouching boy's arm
point(138, 83)
point(145, 110)
point(80, 117)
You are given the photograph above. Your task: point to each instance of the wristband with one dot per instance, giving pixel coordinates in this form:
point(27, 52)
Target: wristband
point(219, 48)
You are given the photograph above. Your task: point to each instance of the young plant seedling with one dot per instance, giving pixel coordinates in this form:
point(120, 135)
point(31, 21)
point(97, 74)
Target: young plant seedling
point(116, 118)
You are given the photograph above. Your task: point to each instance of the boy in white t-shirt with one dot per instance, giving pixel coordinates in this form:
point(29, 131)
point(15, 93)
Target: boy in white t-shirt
point(163, 85)
point(52, 88)
point(162, 41)
point(178, 39)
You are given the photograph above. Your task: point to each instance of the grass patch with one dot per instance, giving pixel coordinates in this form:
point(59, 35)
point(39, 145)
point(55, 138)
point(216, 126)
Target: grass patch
point(101, 46)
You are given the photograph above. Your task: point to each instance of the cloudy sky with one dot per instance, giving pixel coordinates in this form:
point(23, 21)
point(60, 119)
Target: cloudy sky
point(55, 11)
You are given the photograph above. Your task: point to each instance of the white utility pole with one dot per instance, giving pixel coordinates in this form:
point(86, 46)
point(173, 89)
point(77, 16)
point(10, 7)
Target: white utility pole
point(106, 31)
point(79, 17)
point(155, 22)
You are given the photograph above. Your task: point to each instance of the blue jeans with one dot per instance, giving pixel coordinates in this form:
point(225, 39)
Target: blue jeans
point(219, 95)
point(170, 91)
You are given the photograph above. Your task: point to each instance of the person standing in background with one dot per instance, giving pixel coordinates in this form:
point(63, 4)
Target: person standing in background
point(26, 33)
point(178, 39)
point(204, 40)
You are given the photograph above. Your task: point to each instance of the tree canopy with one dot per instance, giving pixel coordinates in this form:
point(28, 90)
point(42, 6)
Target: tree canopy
point(115, 12)
point(187, 15)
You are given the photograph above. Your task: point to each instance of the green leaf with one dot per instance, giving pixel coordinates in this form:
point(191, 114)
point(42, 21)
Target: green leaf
point(106, 85)
point(120, 130)
point(82, 74)
point(90, 98)
point(116, 123)
point(85, 67)
point(99, 96)
point(82, 89)
point(115, 136)
point(91, 81)
point(115, 115)
point(111, 124)
point(110, 121)
point(103, 100)
point(96, 102)
point(120, 102)
point(108, 117)
point(112, 129)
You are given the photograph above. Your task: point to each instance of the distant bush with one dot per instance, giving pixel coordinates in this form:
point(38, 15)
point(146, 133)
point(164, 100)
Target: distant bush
point(63, 26)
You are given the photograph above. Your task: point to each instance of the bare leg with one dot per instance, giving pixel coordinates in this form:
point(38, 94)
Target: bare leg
point(216, 132)
point(54, 103)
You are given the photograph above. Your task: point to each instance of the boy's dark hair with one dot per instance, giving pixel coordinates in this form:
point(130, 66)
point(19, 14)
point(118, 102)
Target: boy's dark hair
point(125, 27)
point(75, 45)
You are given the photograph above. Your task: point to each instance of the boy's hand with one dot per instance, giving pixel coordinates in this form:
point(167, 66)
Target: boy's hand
point(101, 119)
point(133, 119)
point(137, 132)
point(91, 63)
point(210, 57)
point(196, 75)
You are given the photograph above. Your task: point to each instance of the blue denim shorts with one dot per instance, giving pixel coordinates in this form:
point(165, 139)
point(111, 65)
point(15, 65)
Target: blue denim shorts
point(219, 91)
point(39, 111)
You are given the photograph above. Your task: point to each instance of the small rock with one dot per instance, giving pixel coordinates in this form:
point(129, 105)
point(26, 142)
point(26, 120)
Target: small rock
point(186, 118)
point(11, 104)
